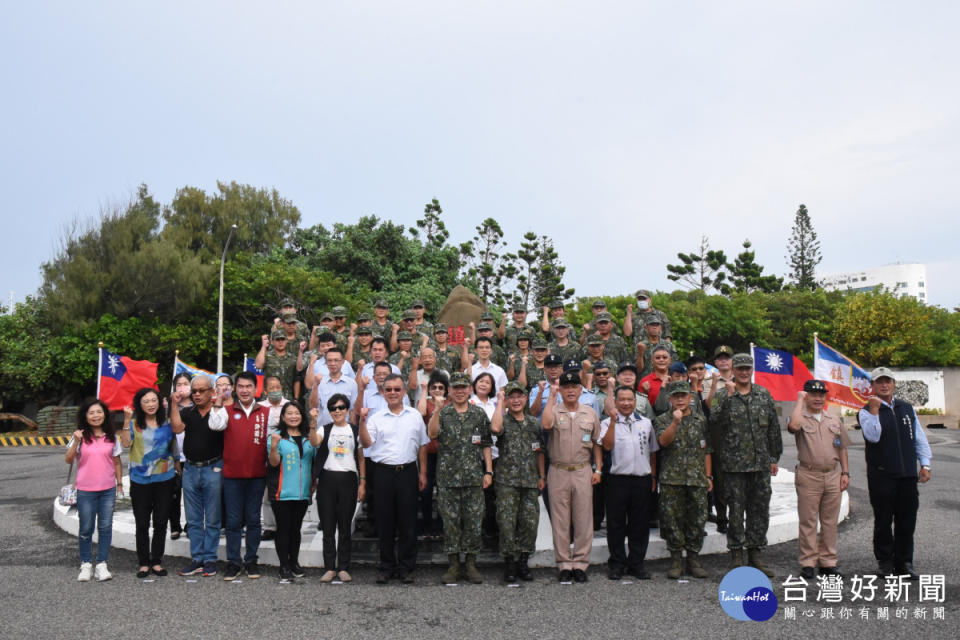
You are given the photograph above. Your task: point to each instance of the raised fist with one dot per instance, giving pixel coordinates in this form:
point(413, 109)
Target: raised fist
point(801, 396)
point(127, 414)
point(586, 366)
point(303, 346)
point(873, 404)
point(264, 341)
point(677, 415)
point(645, 386)
point(731, 387)
point(364, 412)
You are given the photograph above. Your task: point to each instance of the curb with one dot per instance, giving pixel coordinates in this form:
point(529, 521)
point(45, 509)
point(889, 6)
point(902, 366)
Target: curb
point(34, 441)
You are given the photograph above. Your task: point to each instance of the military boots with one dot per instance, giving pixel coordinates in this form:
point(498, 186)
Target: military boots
point(453, 571)
point(736, 558)
point(694, 567)
point(676, 565)
point(509, 569)
point(470, 569)
point(523, 569)
point(754, 561)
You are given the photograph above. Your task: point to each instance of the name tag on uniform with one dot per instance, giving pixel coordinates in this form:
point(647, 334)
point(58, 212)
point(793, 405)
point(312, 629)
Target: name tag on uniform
point(585, 437)
point(703, 444)
point(535, 446)
point(475, 439)
point(836, 442)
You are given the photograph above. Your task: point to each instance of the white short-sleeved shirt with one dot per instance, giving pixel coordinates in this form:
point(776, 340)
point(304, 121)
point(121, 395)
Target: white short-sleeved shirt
point(499, 375)
point(633, 442)
point(397, 437)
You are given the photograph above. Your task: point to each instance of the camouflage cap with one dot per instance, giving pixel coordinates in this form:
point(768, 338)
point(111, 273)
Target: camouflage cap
point(525, 334)
point(439, 328)
point(600, 364)
point(552, 360)
point(278, 333)
point(486, 315)
point(339, 312)
point(381, 304)
point(678, 386)
point(723, 350)
point(539, 343)
point(882, 372)
point(604, 316)
point(519, 308)
point(594, 339)
point(364, 317)
point(814, 386)
point(408, 315)
point(287, 302)
point(642, 293)
point(514, 387)
point(326, 317)
point(556, 304)
point(364, 330)
point(651, 318)
point(572, 364)
point(417, 304)
point(484, 326)
point(404, 335)
point(289, 317)
point(599, 304)
point(742, 360)
point(568, 378)
point(561, 324)
point(460, 379)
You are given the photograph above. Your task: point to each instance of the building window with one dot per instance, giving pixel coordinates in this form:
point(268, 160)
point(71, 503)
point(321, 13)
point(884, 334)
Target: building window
point(863, 279)
point(920, 284)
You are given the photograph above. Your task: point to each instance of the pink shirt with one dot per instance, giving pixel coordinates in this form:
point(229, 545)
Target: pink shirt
point(95, 468)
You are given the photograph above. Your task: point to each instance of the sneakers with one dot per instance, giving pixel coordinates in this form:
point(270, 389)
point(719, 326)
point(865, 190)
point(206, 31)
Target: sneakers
point(297, 570)
point(328, 576)
point(285, 574)
point(192, 569)
point(232, 572)
point(253, 570)
point(209, 569)
point(86, 572)
point(101, 573)
point(344, 576)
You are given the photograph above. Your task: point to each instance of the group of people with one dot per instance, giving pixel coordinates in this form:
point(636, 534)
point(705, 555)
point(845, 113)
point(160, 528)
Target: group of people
point(613, 426)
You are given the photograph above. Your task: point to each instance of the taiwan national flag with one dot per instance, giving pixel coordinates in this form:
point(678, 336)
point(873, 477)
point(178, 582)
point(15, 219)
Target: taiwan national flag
point(847, 384)
point(249, 364)
point(120, 378)
point(783, 374)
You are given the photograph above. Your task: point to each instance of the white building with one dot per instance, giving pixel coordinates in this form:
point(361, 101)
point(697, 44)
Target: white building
point(909, 279)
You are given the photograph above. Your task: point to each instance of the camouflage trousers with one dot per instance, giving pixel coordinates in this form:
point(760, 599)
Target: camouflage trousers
point(683, 514)
point(747, 491)
point(461, 509)
point(518, 516)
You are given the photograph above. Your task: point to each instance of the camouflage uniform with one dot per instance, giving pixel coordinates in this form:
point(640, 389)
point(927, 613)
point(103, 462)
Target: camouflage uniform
point(664, 322)
point(572, 334)
point(648, 354)
point(510, 334)
point(518, 499)
point(682, 471)
point(460, 442)
point(384, 331)
point(746, 436)
point(448, 358)
point(570, 350)
point(358, 355)
point(284, 367)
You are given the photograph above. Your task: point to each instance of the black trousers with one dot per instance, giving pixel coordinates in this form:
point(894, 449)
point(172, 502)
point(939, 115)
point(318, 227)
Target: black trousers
point(336, 502)
point(396, 508)
point(151, 500)
point(176, 496)
point(628, 513)
point(289, 515)
point(426, 496)
point(895, 502)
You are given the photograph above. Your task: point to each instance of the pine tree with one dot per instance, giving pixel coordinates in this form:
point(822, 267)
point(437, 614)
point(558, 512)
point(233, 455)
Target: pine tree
point(803, 251)
point(703, 270)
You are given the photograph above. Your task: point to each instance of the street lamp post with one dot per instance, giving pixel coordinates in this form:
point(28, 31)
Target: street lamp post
point(220, 316)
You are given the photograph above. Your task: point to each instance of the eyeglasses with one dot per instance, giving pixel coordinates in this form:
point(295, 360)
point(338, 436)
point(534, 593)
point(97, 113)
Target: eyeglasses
point(339, 407)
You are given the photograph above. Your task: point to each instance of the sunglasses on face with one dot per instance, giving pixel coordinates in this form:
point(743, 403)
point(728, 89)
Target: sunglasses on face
point(393, 389)
point(339, 407)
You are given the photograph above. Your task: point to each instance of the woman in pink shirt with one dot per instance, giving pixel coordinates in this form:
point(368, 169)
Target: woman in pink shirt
point(96, 449)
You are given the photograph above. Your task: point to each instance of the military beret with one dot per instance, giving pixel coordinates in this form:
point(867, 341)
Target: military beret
point(572, 364)
point(539, 343)
point(339, 312)
point(678, 386)
point(742, 360)
point(364, 330)
point(381, 304)
point(460, 379)
point(594, 338)
point(552, 360)
point(289, 317)
point(439, 328)
point(678, 367)
point(599, 304)
point(484, 326)
point(652, 318)
point(604, 316)
point(514, 387)
point(364, 317)
point(404, 335)
point(568, 378)
point(814, 386)
point(278, 333)
point(417, 304)
point(627, 366)
point(723, 350)
point(882, 372)
point(556, 304)
point(642, 293)
point(409, 315)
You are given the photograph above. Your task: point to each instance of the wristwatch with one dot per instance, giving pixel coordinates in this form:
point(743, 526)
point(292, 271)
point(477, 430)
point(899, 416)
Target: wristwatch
point(925, 466)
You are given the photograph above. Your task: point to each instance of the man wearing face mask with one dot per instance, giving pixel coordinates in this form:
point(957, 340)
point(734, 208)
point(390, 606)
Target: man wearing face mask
point(273, 403)
point(645, 311)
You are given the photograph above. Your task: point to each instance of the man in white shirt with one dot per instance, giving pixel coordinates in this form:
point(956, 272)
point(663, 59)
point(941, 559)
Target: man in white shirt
point(484, 349)
point(326, 387)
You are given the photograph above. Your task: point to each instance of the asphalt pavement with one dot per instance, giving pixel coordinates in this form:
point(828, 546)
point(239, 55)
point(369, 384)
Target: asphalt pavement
point(42, 599)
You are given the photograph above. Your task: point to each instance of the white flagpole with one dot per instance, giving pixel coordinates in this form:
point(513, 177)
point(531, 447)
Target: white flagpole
point(244, 362)
point(99, 366)
point(754, 372)
point(176, 357)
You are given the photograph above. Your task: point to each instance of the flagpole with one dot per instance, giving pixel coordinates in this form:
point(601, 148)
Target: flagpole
point(176, 356)
point(99, 366)
point(244, 362)
point(753, 374)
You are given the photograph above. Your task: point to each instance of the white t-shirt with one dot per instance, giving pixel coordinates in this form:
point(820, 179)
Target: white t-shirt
point(342, 454)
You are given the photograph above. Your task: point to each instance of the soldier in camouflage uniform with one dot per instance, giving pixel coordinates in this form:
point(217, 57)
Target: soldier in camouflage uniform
point(531, 372)
point(407, 350)
point(420, 324)
point(275, 359)
point(645, 311)
point(747, 441)
point(340, 330)
point(615, 347)
point(507, 335)
point(296, 330)
point(381, 325)
point(448, 356)
point(358, 347)
point(464, 470)
point(522, 353)
point(595, 351)
point(686, 474)
point(520, 477)
point(563, 345)
point(648, 340)
point(598, 307)
point(551, 314)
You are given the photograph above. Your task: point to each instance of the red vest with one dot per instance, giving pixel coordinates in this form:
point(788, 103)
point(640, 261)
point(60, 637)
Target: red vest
point(245, 442)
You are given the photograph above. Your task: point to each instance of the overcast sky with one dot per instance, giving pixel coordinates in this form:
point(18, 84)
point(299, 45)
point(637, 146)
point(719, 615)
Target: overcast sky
point(624, 130)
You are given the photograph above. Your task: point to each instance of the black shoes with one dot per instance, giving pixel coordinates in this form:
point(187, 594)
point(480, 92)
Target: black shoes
point(143, 573)
point(886, 569)
point(639, 573)
point(509, 570)
point(383, 577)
point(407, 577)
point(906, 569)
point(565, 575)
point(579, 575)
point(268, 534)
point(722, 526)
point(830, 571)
point(297, 570)
point(232, 572)
point(286, 574)
point(253, 571)
point(807, 573)
point(523, 571)
point(614, 574)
